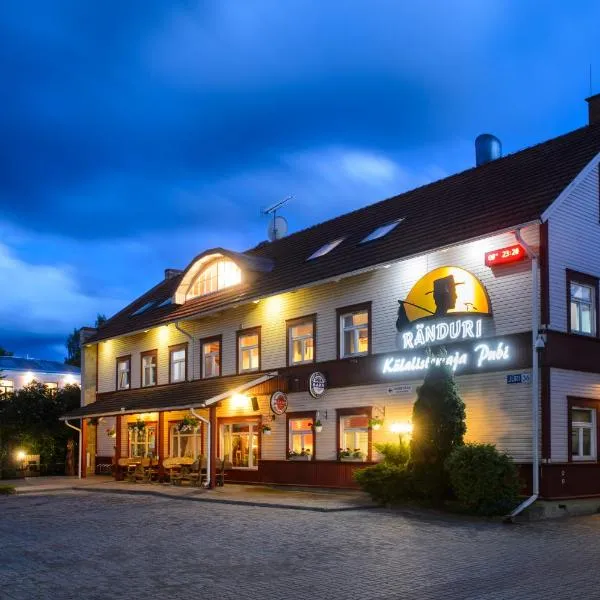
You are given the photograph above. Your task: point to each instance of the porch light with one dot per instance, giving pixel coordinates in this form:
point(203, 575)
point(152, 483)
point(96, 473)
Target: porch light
point(239, 401)
point(28, 378)
point(20, 455)
point(401, 428)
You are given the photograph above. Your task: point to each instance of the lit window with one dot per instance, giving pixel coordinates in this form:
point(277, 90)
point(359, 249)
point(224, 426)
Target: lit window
point(185, 443)
point(249, 352)
point(149, 369)
point(301, 341)
point(217, 275)
point(239, 444)
point(51, 385)
point(583, 317)
point(7, 386)
point(142, 309)
point(354, 435)
point(123, 373)
point(583, 438)
point(381, 231)
point(301, 437)
point(328, 247)
point(211, 358)
point(178, 364)
point(142, 442)
point(354, 334)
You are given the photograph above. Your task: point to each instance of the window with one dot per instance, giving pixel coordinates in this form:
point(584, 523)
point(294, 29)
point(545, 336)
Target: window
point(301, 340)
point(301, 435)
point(211, 357)
point(582, 308)
point(7, 386)
point(178, 363)
point(142, 442)
point(149, 368)
point(248, 350)
point(583, 433)
point(381, 231)
point(124, 372)
point(354, 434)
point(354, 330)
point(185, 443)
point(142, 309)
point(326, 249)
point(217, 275)
point(51, 385)
point(238, 443)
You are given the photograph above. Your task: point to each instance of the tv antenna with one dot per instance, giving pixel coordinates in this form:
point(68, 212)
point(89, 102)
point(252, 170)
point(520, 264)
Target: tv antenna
point(278, 226)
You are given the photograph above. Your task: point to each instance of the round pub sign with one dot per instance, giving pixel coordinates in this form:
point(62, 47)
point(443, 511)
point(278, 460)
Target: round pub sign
point(317, 384)
point(279, 403)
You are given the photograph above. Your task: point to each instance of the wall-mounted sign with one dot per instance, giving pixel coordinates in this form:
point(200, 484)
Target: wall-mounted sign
point(503, 256)
point(279, 403)
point(443, 305)
point(402, 388)
point(317, 384)
point(518, 378)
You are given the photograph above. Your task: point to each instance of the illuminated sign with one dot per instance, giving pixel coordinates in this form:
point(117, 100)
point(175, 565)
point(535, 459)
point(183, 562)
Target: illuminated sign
point(317, 384)
point(482, 355)
point(279, 403)
point(504, 256)
point(442, 306)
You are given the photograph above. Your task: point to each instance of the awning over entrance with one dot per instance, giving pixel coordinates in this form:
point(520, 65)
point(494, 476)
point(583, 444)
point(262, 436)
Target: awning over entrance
point(178, 396)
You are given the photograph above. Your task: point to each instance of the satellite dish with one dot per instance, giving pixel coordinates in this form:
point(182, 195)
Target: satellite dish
point(277, 229)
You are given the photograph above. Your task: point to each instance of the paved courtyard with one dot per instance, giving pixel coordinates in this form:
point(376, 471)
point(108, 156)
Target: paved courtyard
point(81, 544)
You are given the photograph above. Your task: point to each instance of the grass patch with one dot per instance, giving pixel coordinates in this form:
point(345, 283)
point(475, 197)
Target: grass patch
point(7, 490)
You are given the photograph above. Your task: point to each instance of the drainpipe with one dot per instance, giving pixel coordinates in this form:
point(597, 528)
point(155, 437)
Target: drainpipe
point(536, 345)
point(192, 345)
point(79, 447)
point(209, 457)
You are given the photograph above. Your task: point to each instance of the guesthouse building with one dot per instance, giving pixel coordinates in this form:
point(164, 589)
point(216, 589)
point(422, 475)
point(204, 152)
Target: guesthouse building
point(288, 362)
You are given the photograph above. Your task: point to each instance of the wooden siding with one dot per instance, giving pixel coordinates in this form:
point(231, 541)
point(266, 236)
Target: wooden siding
point(574, 243)
point(508, 288)
point(562, 384)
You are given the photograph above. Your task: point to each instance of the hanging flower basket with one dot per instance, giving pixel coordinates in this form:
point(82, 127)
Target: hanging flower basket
point(375, 423)
point(111, 432)
point(188, 425)
point(318, 426)
point(266, 429)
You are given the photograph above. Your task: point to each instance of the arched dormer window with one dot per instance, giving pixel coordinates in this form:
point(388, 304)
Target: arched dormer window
point(216, 275)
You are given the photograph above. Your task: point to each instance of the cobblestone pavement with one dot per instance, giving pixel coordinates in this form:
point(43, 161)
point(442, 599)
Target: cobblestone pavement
point(100, 546)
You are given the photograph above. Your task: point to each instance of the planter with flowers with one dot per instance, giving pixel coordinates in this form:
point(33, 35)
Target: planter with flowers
point(304, 454)
point(348, 455)
point(189, 424)
point(375, 423)
point(266, 429)
point(318, 426)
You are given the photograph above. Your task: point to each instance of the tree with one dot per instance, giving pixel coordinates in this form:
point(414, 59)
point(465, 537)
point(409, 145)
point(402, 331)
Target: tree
point(73, 345)
point(4, 352)
point(439, 427)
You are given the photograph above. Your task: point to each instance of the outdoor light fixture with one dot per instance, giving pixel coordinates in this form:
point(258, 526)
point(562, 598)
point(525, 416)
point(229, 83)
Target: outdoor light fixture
point(239, 401)
point(402, 429)
point(20, 455)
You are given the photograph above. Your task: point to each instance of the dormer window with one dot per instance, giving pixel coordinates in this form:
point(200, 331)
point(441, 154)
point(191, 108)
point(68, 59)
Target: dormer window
point(217, 275)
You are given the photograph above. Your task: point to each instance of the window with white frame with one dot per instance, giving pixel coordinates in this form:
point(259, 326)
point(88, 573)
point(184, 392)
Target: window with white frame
point(7, 386)
point(149, 369)
point(301, 342)
point(211, 358)
point(354, 333)
point(238, 444)
point(142, 442)
point(178, 363)
point(354, 434)
point(249, 351)
point(583, 311)
point(185, 443)
point(583, 433)
point(123, 373)
point(217, 275)
point(301, 437)
point(51, 385)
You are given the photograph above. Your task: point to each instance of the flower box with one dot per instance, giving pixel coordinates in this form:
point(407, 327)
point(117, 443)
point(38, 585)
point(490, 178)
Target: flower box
point(299, 457)
point(352, 459)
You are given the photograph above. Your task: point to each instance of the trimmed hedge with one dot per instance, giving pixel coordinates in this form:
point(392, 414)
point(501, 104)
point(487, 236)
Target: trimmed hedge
point(386, 483)
point(484, 480)
point(7, 490)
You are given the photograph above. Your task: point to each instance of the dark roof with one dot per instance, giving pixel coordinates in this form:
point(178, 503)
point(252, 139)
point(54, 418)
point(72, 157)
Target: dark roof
point(14, 363)
point(504, 193)
point(177, 395)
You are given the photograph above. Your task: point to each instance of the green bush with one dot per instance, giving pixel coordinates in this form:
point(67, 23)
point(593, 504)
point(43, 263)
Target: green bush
point(484, 480)
point(394, 454)
point(386, 483)
point(7, 490)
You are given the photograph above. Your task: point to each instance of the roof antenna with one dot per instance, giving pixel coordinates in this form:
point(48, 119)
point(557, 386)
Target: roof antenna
point(278, 226)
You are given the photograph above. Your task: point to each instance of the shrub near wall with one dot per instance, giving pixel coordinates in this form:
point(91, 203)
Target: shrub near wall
point(484, 480)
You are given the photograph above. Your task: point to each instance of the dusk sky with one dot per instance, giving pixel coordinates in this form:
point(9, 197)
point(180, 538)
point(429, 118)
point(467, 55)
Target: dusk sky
point(136, 134)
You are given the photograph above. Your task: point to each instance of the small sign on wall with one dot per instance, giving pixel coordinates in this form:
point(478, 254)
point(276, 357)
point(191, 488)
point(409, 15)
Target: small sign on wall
point(402, 388)
point(518, 378)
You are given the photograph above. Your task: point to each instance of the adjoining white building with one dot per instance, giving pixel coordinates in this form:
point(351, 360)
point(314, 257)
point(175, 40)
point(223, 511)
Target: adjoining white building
point(16, 373)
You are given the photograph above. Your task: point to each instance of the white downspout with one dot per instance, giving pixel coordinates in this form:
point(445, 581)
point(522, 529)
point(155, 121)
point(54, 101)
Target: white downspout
point(78, 429)
point(192, 362)
point(208, 455)
point(534, 377)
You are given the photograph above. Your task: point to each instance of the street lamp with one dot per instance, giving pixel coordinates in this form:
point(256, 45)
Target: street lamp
point(402, 429)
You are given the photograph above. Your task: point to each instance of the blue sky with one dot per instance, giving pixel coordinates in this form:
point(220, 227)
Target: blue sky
point(136, 134)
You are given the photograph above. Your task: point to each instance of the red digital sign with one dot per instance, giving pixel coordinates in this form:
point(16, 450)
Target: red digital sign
point(502, 256)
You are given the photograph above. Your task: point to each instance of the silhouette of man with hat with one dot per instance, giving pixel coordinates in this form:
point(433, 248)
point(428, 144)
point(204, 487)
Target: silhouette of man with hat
point(444, 294)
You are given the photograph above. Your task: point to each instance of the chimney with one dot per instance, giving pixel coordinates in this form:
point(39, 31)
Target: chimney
point(170, 273)
point(593, 109)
